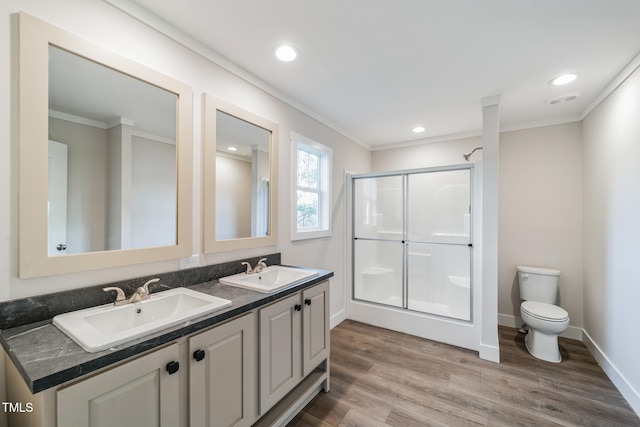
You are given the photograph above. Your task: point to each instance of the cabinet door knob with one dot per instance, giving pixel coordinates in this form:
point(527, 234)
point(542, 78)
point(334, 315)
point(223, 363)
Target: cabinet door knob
point(172, 367)
point(307, 301)
point(297, 307)
point(198, 355)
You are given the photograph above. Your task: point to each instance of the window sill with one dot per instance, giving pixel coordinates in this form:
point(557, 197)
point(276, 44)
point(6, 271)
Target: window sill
point(306, 235)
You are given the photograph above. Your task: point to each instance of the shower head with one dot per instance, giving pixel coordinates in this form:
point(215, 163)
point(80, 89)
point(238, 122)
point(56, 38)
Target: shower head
point(466, 156)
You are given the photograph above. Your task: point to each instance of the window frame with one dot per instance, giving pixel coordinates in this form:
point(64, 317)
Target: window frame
point(325, 155)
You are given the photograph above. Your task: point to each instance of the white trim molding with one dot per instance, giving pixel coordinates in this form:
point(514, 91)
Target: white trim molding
point(338, 318)
point(617, 378)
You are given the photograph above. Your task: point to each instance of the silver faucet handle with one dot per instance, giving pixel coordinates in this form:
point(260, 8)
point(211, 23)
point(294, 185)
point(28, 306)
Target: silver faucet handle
point(249, 269)
point(138, 295)
point(120, 296)
point(145, 287)
point(260, 265)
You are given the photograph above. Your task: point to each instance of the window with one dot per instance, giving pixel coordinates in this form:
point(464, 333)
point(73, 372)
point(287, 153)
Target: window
point(311, 195)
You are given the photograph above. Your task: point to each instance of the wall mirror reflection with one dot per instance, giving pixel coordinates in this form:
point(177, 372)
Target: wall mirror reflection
point(112, 159)
point(242, 178)
point(105, 172)
point(240, 187)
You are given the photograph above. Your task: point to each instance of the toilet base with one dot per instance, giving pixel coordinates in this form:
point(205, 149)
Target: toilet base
point(543, 346)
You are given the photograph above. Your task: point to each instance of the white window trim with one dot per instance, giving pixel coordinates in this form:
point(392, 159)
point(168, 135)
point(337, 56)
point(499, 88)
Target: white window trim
point(325, 194)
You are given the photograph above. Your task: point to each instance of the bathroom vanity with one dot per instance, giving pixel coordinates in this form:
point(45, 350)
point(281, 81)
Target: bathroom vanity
point(257, 362)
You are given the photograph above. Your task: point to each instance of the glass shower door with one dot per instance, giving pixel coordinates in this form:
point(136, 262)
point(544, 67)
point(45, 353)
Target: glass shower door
point(438, 244)
point(378, 239)
point(412, 240)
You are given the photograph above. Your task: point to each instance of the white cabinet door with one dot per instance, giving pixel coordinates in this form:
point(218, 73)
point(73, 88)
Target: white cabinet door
point(315, 327)
point(280, 350)
point(140, 393)
point(222, 375)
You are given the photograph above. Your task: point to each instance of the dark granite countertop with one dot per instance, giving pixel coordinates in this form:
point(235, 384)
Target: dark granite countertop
point(46, 357)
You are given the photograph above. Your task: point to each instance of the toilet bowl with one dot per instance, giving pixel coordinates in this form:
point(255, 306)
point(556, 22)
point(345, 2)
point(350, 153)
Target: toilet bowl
point(546, 322)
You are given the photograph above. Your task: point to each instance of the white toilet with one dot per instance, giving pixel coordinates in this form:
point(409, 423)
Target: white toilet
point(539, 290)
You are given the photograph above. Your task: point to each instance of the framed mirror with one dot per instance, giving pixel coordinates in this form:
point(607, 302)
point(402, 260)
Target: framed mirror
point(105, 157)
point(240, 178)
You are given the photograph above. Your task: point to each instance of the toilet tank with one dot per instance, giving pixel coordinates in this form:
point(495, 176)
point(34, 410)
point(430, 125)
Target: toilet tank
point(538, 284)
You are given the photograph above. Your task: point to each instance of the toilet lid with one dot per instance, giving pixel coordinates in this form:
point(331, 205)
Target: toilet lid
point(538, 270)
point(544, 311)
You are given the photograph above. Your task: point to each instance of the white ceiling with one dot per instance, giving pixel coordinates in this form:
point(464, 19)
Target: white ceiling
point(374, 69)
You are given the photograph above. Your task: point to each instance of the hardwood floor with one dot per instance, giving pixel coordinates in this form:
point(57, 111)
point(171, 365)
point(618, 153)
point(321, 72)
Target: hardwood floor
point(385, 378)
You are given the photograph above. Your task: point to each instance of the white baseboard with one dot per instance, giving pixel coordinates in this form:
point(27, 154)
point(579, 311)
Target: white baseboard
point(490, 353)
point(572, 332)
point(627, 390)
point(337, 318)
point(507, 320)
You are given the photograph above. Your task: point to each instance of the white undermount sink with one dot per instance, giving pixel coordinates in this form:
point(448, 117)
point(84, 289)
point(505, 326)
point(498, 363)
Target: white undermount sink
point(270, 279)
point(99, 328)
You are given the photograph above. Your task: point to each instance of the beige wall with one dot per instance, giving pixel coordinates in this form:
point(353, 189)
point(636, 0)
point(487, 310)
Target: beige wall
point(541, 213)
point(153, 189)
point(233, 198)
point(426, 155)
point(611, 235)
point(540, 204)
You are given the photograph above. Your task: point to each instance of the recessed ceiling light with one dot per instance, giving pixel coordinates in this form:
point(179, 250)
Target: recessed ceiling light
point(286, 53)
point(564, 79)
point(231, 148)
point(418, 129)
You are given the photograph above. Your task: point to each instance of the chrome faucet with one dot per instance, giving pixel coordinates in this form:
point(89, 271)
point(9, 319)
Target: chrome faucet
point(141, 294)
point(257, 269)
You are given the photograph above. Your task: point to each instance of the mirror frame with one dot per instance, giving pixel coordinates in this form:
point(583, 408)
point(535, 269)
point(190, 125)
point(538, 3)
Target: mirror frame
point(35, 36)
point(210, 106)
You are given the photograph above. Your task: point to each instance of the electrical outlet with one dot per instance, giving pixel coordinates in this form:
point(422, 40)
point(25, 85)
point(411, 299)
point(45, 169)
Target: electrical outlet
point(189, 262)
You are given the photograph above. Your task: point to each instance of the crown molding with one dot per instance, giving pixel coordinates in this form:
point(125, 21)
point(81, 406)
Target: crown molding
point(163, 27)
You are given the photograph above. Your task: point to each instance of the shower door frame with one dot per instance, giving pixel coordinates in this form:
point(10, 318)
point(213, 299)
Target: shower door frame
point(459, 332)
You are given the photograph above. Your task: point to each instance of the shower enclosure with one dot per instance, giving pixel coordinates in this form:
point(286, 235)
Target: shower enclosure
point(412, 243)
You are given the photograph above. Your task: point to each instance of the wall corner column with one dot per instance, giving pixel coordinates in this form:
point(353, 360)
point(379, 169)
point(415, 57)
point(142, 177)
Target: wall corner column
point(489, 346)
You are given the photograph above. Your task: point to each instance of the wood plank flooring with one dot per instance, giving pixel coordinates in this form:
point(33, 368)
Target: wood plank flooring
point(385, 378)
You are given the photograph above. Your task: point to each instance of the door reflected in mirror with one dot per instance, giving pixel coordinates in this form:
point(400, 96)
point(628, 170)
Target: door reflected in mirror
point(112, 181)
point(242, 178)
